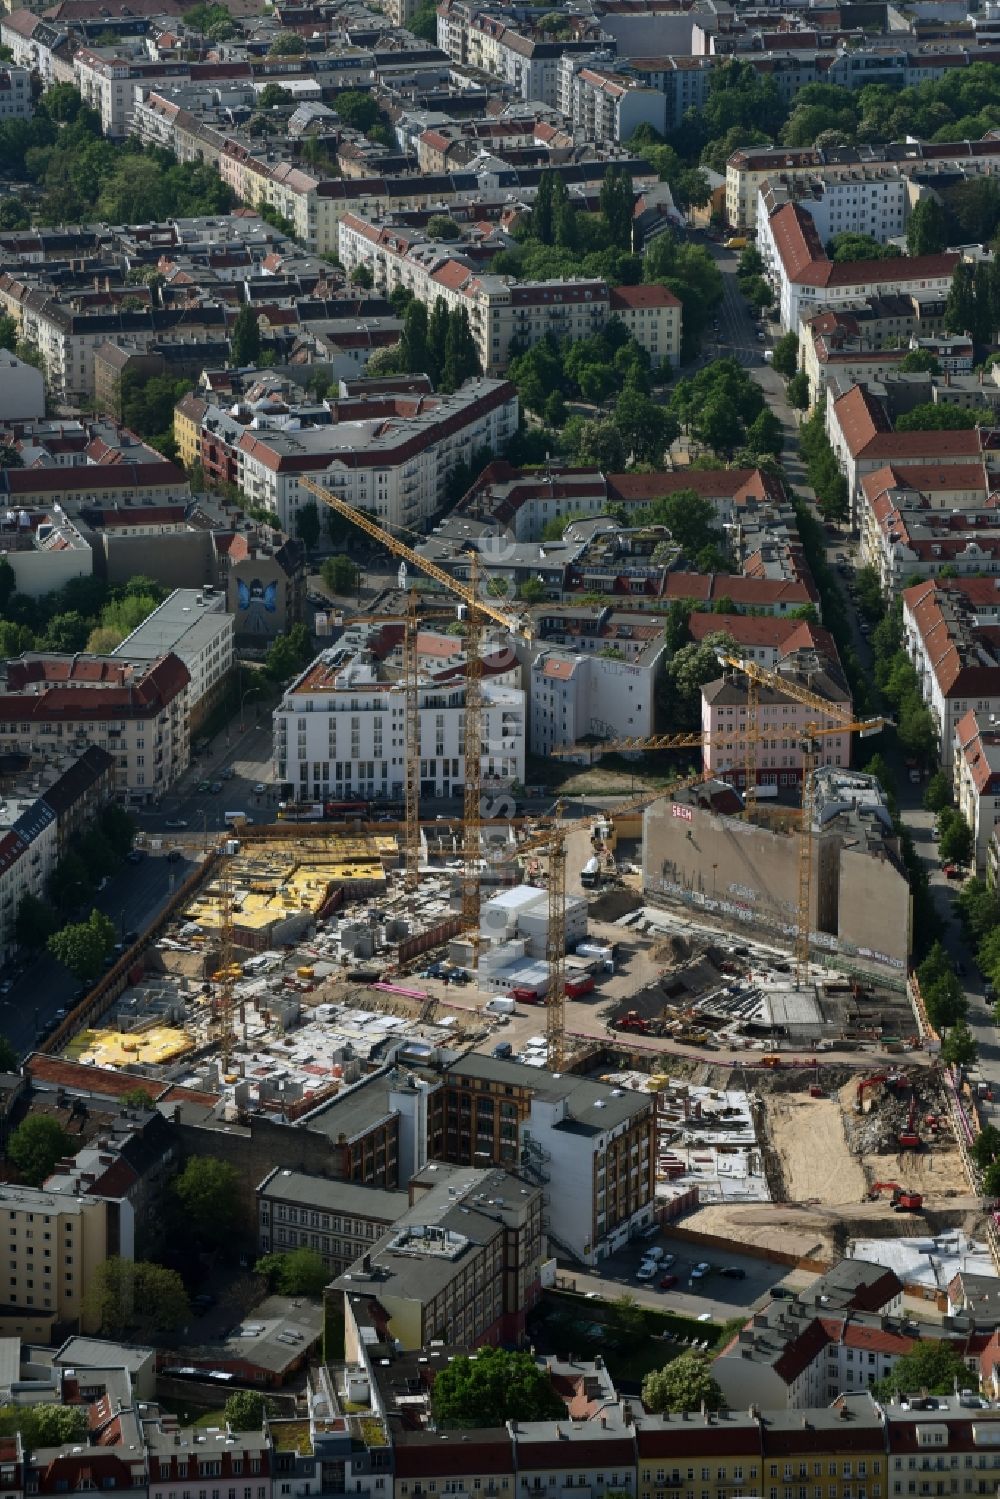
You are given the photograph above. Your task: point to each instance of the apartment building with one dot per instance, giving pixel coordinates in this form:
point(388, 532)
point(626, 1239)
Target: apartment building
point(922, 520)
point(805, 279)
point(44, 549)
point(950, 636)
point(766, 638)
point(54, 1244)
point(861, 436)
point(598, 1457)
point(977, 781)
point(574, 696)
point(781, 721)
point(871, 200)
point(501, 311)
point(193, 625)
point(239, 1464)
point(606, 105)
point(55, 703)
point(389, 454)
point(474, 37)
point(482, 1463)
point(751, 166)
point(35, 826)
point(337, 1219)
point(462, 1264)
point(16, 102)
point(339, 729)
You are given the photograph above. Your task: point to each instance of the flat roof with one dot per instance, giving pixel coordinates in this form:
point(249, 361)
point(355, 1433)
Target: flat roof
point(336, 1196)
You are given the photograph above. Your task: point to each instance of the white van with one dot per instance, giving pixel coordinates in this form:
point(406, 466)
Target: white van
point(503, 1004)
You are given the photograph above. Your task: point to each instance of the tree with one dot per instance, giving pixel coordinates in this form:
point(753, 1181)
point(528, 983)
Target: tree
point(532, 590)
point(919, 362)
point(960, 308)
point(959, 1046)
point(244, 341)
point(307, 526)
point(986, 1146)
point(689, 669)
point(208, 1192)
point(443, 226)
point(692, 520)
point(272, 95)
point(797, 391)
point(137, 1098)
point(851, 245)
point(647, 429)
point(617, 203)
point(933, 1365)
point(288, 654)
point(340, 574)
point(937, 793)
point(286, 44)
point(135, 1298)
point(766, 434)
point(491, 1388)
point(35, 922)
point(357, 109)
point(927, 230)
point(301, 1272)
point(461, 358)
point(36, 1145)
point(82, 946)
point(9, 1059)
point(686, 1384)
point(956, 842)
point(785, 357)
point(45, 1425)
point(930, 416)
point(118, 827)
point(595, 443)
point(362, 276)
point(244, 1410)
point(8, 334)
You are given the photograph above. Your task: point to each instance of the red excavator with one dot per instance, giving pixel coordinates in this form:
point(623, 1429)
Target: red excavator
point(908, 1137)
point(903, 1201)
point(632, 1021)
point(893, 1080)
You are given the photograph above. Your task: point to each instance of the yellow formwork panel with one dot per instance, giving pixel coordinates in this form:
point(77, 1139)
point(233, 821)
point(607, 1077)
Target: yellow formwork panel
point(111, 1048)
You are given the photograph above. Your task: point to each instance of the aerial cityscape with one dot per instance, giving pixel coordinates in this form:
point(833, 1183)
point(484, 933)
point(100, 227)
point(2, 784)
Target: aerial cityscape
point(499, 749)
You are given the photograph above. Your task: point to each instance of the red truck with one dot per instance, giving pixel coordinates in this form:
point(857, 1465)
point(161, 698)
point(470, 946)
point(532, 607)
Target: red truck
point(575, 988)
point(528, 997)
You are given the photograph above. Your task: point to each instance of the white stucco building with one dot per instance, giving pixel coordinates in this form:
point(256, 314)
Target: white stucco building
point(193, 624)
point(339, 730)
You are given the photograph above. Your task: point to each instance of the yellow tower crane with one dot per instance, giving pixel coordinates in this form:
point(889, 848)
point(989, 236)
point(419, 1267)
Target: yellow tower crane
point(478, 609)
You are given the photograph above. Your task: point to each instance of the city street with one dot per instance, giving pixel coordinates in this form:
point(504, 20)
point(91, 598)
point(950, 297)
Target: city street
point(131, 898)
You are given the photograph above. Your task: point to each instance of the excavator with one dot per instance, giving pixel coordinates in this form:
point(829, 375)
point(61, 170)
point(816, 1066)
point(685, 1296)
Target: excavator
point(903, 1201)
point(909, 1138)
point(893, 1080)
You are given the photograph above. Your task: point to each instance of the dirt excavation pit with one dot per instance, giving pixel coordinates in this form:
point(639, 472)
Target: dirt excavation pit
point(816, 1163)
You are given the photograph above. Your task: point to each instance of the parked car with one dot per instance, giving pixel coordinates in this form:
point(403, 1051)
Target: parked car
point(667, 1281)
point(735, 1272)
point(646, 1270)
point(260, 788)
point(203, 786)
point(135, 857)
point(227, 773)
point(175, 822)
point(952, 872)
point(215, 787)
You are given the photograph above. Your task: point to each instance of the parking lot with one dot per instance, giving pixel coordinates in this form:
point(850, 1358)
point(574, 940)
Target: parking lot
point(716, 1294)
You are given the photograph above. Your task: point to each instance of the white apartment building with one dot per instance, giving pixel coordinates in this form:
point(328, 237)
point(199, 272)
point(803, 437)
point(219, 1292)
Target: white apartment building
point(180, 1461)
point(977, 782)
point(501, 310)
point(575, 695)
point(44, 548)
point(781, 721)
point(139, 715)
point(193, 625)
point(110, 82)
point(340, 731)
point(948, 630)
point(389, 454)
point(806, 280)
point(15, 94)
point(605, 105)
point(753, 165)
point(873, 200)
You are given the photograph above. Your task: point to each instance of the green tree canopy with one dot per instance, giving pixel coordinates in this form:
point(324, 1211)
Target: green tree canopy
point(927, 229)
point(932, 1365)
point(300, 1272)
point(136, 1299)
point(685, 1384)
point(36, 1145)
point(245, 1410)
point(493, 1387)
point(45, 1425)
point(208, 1192)
point(245, 337)
point(82, 946)
point(938, 417)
